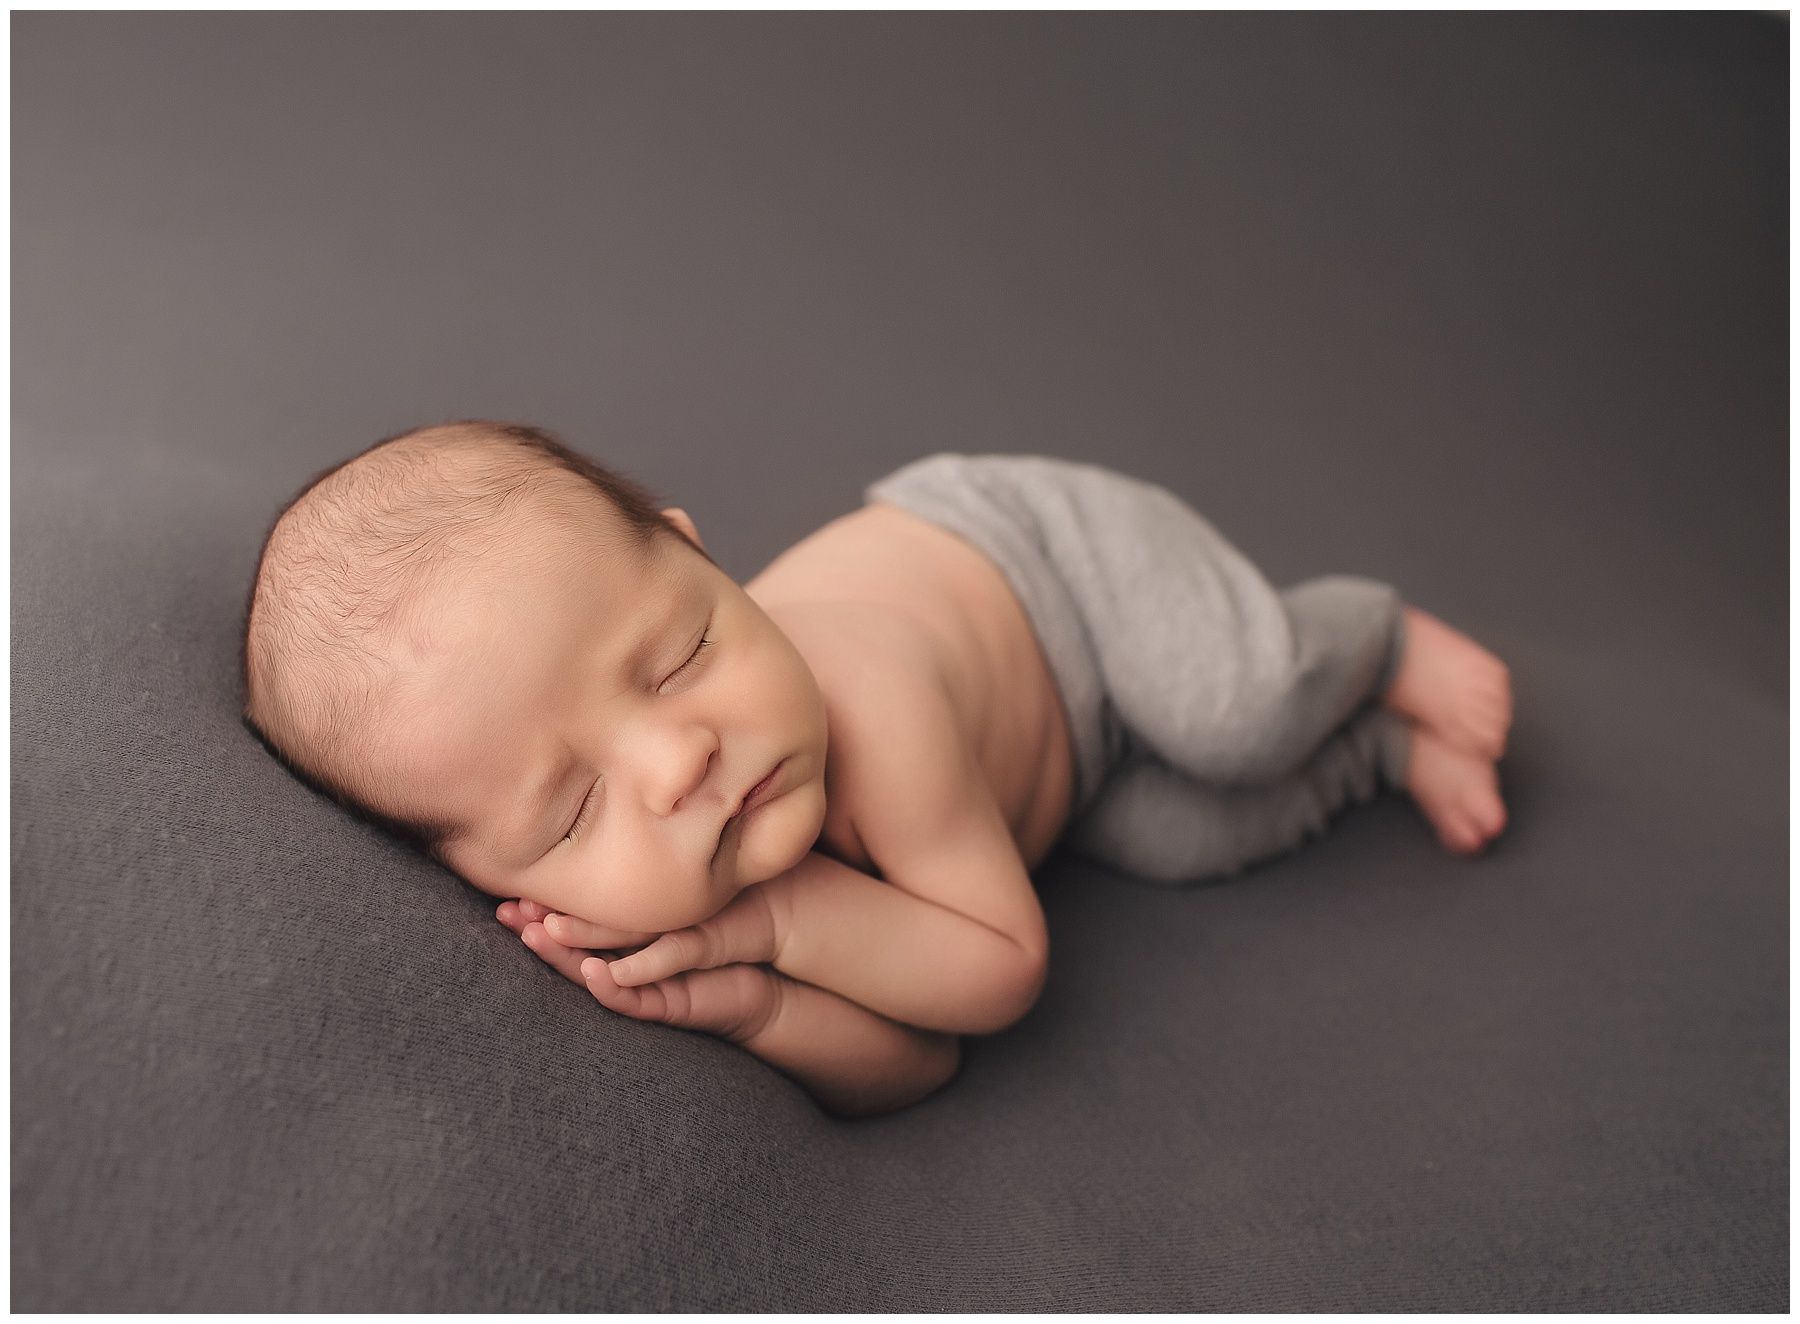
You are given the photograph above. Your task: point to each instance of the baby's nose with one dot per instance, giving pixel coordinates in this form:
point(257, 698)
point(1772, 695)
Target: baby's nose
point(685, 779)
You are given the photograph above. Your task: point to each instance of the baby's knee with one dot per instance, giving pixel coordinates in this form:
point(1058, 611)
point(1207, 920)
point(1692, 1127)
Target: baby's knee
point(1273, 757)
point(1259, 739)
point(1156, 826)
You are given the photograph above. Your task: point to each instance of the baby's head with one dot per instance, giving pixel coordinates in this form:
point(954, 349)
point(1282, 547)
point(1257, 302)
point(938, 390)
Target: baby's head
point(473, 637)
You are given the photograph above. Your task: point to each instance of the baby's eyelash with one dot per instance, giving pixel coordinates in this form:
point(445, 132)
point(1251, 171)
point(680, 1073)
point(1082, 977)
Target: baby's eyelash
point(706, 642)
point(582, 817)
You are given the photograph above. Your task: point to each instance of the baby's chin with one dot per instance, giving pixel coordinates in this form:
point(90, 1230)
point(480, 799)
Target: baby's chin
point(777, 837)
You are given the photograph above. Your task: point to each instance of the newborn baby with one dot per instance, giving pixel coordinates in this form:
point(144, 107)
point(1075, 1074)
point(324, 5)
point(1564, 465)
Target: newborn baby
point(802, 813)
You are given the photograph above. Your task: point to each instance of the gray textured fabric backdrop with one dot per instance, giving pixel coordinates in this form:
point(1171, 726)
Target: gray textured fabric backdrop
point(1489, 306)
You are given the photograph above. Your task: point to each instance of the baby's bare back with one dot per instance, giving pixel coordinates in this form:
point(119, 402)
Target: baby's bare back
point(881, 587)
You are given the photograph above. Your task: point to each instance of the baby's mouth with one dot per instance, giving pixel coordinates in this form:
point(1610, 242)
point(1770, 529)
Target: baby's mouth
point(749, 795)
point(724, 831)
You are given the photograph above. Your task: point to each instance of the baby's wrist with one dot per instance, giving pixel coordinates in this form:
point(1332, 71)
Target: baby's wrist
point(766, 1011)
point(778, 894)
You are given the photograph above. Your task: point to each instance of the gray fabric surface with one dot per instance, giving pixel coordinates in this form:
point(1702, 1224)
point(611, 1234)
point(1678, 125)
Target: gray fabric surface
point(1491, 307)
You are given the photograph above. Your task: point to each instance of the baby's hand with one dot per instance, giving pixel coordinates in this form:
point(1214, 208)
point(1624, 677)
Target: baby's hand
point(733, 1001)
point(745, 930)
point(567, 930)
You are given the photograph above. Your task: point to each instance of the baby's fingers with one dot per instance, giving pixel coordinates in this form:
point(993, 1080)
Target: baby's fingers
point(568, 930)
point(517, 915)
point(573, 932)
point(646, 1004)
point(669, 955)
point(565, 961)
point(727, 1001)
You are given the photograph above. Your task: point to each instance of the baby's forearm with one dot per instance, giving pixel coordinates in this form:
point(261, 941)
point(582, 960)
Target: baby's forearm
point(851, 1060)
point(896, 953)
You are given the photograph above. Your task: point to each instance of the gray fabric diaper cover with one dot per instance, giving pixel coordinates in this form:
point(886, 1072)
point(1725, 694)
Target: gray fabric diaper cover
point(1216, 720)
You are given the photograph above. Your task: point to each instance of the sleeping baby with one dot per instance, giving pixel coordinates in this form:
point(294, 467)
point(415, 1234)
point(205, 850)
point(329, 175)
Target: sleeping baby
point(802, 813)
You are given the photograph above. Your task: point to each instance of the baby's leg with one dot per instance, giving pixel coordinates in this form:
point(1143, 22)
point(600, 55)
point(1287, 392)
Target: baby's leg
point(1252, 681)
point(1157, 822)
point(1209, 665)
point(1161, 632)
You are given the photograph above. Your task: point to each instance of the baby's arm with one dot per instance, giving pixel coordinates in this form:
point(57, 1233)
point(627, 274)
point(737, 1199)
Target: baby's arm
point(902, 954)
point(851, 1060)
point(833, 926)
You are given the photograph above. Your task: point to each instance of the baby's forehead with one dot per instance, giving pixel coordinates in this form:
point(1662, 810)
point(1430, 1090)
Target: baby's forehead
point(536, 538)
point(549, 567)
point(505, 617)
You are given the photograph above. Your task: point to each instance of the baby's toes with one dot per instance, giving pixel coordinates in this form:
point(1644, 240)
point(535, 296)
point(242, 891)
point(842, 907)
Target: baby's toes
point(1489, 817)
point(1479, 819)
point(1459, 835)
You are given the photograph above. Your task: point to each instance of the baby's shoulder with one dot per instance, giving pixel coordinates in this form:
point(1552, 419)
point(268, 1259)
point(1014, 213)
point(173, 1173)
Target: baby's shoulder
point(884, 691)
point(929, 667)
point(875, 664)
point(879, 557)
point(894, 619)
point(880, 586)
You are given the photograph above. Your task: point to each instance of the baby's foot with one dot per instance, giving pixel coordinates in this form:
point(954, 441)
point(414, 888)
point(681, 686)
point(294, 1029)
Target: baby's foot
point(1452, 685)
point(1458, 791)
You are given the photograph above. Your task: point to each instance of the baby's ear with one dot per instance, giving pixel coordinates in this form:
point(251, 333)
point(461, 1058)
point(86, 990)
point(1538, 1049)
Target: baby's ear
point(686, 525)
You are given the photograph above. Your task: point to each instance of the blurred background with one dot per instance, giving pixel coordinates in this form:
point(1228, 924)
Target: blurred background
point(1539, 263)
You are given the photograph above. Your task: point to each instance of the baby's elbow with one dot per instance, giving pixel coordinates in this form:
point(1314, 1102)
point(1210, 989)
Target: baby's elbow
point(928, 1073)
point(1037, 974)
point(1023, 986)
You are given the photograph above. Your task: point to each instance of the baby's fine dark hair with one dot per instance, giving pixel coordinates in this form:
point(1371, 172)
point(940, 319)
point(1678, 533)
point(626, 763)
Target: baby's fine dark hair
point(362, 543)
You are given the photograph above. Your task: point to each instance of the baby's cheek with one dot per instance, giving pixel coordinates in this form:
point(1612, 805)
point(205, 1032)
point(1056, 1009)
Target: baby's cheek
point(490, 889)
